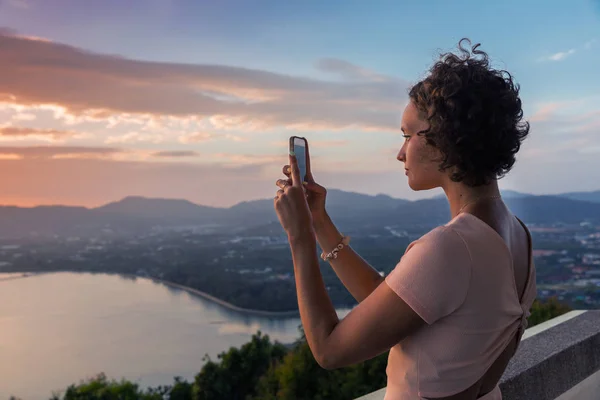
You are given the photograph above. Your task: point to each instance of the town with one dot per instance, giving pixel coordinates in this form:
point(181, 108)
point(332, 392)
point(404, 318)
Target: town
point(252, 268)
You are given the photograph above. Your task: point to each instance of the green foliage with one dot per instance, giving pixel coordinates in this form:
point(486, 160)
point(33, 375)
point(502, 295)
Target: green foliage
point(237, 374)
point(299, 376)
point(545, 310)
point(101, 388)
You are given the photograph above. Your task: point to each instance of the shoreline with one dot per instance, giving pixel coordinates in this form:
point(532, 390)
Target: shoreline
point(223, 303)
point(190, 290)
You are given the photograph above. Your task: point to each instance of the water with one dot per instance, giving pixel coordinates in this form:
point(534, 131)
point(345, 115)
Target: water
point(57, 329)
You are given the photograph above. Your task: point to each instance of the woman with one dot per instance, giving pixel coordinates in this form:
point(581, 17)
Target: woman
point(454, 308)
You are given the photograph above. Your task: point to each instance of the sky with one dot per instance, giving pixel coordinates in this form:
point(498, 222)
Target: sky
point(189, 99)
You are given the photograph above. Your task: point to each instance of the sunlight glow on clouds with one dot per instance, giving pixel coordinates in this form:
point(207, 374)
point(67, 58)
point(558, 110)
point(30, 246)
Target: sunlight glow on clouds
point(33, 74)
point(14, 132)
point(197, 129)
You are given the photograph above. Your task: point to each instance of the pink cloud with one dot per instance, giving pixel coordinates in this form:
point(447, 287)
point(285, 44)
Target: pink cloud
point(135, 137)
point(197, 137)
point(50, 152)
point(546, 111)
point(175, 154)
point(18, 132)
point(316, 143)
point(35, 72)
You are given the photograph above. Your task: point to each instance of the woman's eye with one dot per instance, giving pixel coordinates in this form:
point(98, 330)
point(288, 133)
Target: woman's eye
point(406, 137)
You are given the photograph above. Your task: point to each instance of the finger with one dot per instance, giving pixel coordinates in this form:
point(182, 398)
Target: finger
point(287, 170)
point(282, 183)
point(295, 171)
point(279, 193)
point(315, 187)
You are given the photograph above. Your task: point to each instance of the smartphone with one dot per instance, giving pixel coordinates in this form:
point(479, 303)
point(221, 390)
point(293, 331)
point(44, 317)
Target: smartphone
point(298, 146)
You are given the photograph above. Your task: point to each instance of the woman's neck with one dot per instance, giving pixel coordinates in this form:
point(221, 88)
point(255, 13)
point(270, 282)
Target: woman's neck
point(461, 197)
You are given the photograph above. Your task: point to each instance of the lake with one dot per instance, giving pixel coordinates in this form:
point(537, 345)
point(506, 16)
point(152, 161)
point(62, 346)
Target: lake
point(57, 329)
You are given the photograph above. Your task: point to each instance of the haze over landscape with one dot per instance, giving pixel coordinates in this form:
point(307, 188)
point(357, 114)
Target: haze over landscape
point(195, 100)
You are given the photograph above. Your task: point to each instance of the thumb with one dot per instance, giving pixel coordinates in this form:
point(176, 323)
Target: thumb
point(315, 187)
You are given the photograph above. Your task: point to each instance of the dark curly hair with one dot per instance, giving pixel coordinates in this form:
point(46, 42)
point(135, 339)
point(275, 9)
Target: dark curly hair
point(474, 114)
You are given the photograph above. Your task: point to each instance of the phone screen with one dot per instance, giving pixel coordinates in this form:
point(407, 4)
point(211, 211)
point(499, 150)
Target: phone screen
point(300, 150)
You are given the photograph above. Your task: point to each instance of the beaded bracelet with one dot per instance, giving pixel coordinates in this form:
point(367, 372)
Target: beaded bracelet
point(334, 253)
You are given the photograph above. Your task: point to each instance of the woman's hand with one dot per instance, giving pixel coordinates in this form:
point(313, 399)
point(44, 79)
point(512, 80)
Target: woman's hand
point(315, 193)
point(291, 205)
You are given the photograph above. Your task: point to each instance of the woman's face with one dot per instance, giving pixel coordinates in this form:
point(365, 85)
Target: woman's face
point(421, 161)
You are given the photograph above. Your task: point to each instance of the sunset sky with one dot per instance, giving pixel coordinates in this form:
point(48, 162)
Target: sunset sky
point(102, 99)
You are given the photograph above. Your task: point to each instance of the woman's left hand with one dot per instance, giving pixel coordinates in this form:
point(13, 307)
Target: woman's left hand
point(291, 206)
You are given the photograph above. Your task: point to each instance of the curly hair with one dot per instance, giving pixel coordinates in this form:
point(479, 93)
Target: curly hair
point(474, 114)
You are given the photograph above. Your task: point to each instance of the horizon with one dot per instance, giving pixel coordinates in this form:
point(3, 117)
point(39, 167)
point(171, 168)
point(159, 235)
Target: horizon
point(195, 101)
point(264, 199)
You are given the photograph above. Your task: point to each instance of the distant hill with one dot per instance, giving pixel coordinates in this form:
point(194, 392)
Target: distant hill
point(583, 196)
point(507, 194)
point(169, 209)
point(352, 210)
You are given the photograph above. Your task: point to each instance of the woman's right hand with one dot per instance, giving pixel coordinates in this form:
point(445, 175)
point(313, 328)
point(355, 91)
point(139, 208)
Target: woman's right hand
point(315, 195)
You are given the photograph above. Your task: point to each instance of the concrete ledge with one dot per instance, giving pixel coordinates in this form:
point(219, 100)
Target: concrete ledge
point(587, 389)
point(557, 360)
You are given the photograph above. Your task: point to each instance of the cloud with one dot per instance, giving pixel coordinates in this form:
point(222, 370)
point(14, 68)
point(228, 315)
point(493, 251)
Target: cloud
point(57, 152)
point(18, 132)
point(236, 138)
point(252, 159)
point(561, 55)
point(33, 72)
point(316, 143)
point(175, 154)
point(197, 137)
point(24, 117)
point(135, 137)
point(200, 137)
point(561, 129)
point(350, 71)
point(545, 111)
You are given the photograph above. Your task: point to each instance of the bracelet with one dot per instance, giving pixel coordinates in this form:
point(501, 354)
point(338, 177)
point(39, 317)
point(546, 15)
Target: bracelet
point(334, 253)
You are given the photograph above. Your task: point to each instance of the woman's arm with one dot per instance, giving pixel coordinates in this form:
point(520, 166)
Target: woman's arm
point(379, 322)
point(356, 274)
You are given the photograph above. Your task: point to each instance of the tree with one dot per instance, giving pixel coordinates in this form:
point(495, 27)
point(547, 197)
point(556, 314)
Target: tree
point(545, 310)
point(100, 388)
point(237, 374)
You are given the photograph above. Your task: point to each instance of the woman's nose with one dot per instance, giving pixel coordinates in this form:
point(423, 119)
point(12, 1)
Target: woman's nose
point(401, 155)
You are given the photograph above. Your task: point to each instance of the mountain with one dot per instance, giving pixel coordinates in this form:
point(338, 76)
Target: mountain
point(339, 203)
point(594, 197)
point(162, 209)
point(507, 194)
point(353, 211)
point(512, 194)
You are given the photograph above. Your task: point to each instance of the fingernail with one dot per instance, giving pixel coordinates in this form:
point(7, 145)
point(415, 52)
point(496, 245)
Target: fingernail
point(288, 170)
point(292, 153)
point(305, 183)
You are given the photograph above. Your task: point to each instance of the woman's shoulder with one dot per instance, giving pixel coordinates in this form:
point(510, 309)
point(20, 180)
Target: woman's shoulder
point(443, 239)
point(443, 233)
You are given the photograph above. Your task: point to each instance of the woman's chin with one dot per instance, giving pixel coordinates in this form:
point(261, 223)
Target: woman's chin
point(419, 186)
